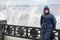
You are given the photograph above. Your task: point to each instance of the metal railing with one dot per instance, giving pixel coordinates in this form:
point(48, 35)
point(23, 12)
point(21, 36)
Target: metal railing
point(27, 32)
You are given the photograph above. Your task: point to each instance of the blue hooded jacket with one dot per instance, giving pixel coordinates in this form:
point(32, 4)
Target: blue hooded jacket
point(48, 21)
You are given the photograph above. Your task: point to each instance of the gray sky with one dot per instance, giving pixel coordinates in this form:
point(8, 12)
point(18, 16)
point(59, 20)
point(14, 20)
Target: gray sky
point(29, 2)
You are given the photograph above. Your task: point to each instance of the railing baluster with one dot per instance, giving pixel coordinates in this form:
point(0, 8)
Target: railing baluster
point(26, 32)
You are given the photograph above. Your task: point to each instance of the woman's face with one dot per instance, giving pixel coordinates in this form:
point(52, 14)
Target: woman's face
point(46, 11)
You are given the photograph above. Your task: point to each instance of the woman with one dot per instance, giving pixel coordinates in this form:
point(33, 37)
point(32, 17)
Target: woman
point(48, 24)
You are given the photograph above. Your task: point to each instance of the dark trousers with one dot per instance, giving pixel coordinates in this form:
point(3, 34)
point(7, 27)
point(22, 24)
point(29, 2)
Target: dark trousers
point(46, 34)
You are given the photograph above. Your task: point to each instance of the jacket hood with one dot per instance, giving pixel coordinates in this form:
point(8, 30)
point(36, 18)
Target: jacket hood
point(46, 7)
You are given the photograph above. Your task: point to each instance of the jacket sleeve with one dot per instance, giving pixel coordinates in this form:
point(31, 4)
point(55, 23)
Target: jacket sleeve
point(41, 21)
point(54, 22)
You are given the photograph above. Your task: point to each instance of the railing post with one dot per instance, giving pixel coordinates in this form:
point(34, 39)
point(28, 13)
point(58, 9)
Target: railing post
point(2, 24)
point(1, 32)
point(58, 34)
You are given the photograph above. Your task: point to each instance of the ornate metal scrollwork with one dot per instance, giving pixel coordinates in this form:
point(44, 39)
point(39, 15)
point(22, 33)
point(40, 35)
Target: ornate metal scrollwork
point(9, 30)
point(34, 33)
point(27, 32)
point(20, 31)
